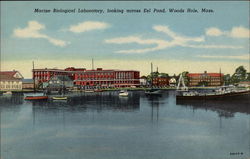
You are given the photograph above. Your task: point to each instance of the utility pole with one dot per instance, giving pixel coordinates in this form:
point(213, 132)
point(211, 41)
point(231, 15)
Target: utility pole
point(92, 64)
point(33, 75)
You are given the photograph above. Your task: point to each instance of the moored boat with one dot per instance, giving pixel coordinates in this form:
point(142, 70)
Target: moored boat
point(153, 91)
point(89, 91)
point(36, 97)
point(123, 93)
point(98, 90)
point(221, 93)
point(60, 98)
point(7, 93)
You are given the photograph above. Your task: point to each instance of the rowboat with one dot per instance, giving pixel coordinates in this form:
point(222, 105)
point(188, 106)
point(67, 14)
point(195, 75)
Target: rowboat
point(36, 98)
point(59, 98)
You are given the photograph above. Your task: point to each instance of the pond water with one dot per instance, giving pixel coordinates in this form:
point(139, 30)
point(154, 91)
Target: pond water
point(105, 126)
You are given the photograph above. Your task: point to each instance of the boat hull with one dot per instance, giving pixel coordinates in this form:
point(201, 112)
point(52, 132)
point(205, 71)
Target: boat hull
point(227, 96)
point(36, 98)
point(59, 98)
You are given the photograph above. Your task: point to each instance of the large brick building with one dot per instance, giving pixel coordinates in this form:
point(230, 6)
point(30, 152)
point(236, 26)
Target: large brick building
point(95, 77)
point(207, 79)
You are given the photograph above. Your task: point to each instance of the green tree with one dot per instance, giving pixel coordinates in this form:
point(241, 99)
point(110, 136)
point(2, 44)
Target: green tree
point(226, 79)
point(163, 75)
point(248, 76)
point(239, 75)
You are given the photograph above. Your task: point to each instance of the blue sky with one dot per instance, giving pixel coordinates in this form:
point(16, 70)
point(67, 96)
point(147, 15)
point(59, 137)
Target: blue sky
point(172, 41)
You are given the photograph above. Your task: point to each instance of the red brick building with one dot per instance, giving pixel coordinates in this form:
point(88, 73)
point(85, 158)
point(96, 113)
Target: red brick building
point(207, 79)
point(98, 77)
point(161, 81)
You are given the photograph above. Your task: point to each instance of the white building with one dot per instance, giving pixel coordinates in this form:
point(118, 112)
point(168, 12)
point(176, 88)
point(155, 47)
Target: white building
point(172, 82)
point(10, 81)
point(143, 81)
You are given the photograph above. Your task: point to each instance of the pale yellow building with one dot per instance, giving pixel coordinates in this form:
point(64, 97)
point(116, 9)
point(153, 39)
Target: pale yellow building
point(10, 80)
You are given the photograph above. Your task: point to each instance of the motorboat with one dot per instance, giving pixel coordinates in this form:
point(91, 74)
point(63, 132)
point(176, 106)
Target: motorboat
point(153, 91)
point(123, 93)
point(89, 91)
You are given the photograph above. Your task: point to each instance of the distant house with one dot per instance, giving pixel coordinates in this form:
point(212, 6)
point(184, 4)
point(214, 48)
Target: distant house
point(10, 80)
point(28, 84)
point(60, 81)
point(143, 81)
point(172, 82)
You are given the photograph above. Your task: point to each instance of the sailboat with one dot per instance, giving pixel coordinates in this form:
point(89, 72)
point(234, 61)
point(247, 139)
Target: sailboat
point(152, 91)
point(35, 96)
point(181, 81)
point(62, 97)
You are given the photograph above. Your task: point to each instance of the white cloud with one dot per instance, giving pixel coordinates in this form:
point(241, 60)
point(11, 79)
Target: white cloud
point(240, 32)
point(214, 32)
point(236, 57)
point(33, 31)
point(88, 26)
point(215, 46)
point(177, 40)
point(160, 44)
point(175, 36)
point(235, 32)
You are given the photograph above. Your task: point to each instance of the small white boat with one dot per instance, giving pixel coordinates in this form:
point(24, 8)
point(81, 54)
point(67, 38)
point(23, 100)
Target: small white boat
point(89, 91)
point(7, 93)
point(123, 93)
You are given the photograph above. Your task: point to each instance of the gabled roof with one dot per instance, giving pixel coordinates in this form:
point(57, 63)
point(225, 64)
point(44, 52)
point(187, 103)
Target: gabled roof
point(10, 75)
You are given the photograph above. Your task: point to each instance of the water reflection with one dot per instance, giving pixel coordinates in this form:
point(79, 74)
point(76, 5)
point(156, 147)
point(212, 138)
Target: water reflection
point(92, 101)
point(105, 126)
point(224, 108)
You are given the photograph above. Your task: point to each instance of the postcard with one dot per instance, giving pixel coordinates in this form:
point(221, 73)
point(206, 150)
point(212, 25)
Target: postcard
point(125, 80)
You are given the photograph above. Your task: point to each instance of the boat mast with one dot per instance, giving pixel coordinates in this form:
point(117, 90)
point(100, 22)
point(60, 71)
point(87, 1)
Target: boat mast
point(220, 78)
point(34, 84)
point(181, 81)
point(151, 74)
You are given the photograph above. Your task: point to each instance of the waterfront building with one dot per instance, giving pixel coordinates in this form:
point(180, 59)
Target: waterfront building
point(28, 84)
point(161, 81)
point(10, 80)
point(95, 77)
point(205, 79)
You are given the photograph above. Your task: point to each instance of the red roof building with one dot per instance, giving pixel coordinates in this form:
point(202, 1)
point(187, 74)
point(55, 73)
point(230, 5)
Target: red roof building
point(95, 77)
point(205, 79)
